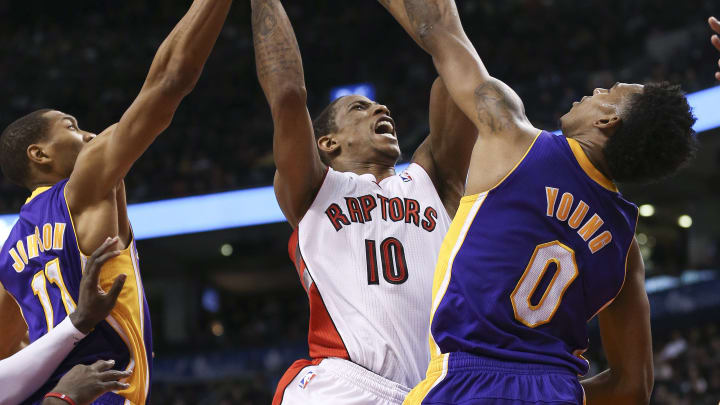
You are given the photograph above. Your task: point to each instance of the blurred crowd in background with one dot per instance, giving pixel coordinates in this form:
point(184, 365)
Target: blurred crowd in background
point(90, 60)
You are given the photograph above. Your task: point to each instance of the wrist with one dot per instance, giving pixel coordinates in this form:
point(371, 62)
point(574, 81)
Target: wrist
point(81, 323)
point(58, 398)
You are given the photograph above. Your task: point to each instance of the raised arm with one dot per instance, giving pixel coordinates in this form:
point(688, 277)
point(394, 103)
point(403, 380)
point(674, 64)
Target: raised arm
point(279, 68)
point(445, 153)
point(504, 132)
point(625, 331)
point(715, 39)
point(173, 74)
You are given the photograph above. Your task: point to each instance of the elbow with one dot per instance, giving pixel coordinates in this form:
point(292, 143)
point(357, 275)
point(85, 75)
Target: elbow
point(638, 389)
point(179, 78)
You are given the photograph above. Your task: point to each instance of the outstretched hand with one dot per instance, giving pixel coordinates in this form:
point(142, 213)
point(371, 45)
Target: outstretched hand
point(94, 305)
point(83, 384)
point(715, 39)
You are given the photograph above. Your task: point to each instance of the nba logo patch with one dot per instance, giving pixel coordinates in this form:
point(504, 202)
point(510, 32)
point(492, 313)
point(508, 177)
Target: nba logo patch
point(306, 379)
point(406, 177)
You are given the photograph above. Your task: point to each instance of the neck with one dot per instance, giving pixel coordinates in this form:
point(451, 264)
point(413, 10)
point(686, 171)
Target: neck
point(379, 170)
point(593, 144)
point(44, 181)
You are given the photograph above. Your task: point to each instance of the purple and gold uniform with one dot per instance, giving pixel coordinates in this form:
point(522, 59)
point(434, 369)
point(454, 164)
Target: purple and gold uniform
point(41, 267)
point(521, 271)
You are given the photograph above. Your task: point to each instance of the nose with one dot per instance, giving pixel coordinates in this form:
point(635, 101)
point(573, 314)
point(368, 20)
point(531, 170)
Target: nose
point(381, 110)
point(88, 136)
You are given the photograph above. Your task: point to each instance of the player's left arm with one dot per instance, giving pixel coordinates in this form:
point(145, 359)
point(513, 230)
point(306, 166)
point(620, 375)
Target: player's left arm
point(626, 338)
point(445, 153)
point(715, 39)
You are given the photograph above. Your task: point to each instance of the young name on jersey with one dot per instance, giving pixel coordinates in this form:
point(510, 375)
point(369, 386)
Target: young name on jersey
point(588, 229)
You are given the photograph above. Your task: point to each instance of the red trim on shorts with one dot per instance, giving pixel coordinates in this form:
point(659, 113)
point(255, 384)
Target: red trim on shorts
point(289, 376)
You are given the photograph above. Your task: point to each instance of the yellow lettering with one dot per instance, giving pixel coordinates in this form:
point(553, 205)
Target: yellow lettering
point(32, 247)
point(565, 205)
point(59, 235)
point(590, 227)
point(38, 239)
point(47, 236)
point(600, 241)
point(19, 266)
point(551, 194)
point(21, 250)
point(578, 215)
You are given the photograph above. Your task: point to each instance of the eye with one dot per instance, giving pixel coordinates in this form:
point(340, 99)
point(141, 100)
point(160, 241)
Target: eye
point(357, 107)
point(72, 128)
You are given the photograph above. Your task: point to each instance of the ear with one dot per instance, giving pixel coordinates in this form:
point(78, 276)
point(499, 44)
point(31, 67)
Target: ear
point(328, 145)
point(36, 154)
point(608, 123)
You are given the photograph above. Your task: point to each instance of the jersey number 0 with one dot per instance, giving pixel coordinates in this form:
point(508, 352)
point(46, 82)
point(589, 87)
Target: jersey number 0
point(544, 256)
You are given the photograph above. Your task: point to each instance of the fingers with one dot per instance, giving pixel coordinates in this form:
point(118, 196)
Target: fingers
point(107, 256)
point(97, 259)
point(104, 247)
point(715, 41)
point(103, 365)
point(115, 386)
point(117, 286)
point(114, 375)
point(714, 24)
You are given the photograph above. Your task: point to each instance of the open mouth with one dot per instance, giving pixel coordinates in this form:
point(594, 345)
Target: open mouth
point(385, 126)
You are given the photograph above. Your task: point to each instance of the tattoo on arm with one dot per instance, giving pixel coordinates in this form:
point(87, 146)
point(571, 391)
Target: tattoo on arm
point(276, 50)
point(494, 105)
point(423, 15)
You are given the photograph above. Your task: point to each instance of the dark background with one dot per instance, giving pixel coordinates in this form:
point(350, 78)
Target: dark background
point(89, 59)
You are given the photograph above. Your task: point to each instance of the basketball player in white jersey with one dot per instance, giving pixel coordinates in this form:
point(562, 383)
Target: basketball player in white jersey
point(366, 238)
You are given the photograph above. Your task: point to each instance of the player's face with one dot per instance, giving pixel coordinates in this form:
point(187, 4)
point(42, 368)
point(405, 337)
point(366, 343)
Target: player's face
point(65, 141)
point(602, 104)
point(366, 131)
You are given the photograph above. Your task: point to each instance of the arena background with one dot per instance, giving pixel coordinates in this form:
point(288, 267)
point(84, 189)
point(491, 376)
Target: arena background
point(228, 312)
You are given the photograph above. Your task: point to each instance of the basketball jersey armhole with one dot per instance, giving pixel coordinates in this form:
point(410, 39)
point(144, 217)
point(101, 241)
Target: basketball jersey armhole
point(473, 197)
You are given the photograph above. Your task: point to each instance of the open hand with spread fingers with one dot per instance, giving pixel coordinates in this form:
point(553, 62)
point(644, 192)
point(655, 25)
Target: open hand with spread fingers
point(83, 384)
point(94, 305)
point(715, 39)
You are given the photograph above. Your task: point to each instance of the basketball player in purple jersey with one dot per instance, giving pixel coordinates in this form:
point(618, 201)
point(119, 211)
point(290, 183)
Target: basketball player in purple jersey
point(543, 241)
point(366, 239)
point(25, 371)
point(78, 200)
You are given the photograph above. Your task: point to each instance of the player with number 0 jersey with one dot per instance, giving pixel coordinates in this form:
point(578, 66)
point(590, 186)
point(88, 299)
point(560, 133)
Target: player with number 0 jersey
point(543, 241)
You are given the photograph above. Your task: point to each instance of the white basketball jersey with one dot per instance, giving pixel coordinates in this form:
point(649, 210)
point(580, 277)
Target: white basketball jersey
point(366, 254)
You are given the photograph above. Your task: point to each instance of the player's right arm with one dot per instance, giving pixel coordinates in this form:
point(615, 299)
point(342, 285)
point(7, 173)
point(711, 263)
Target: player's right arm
point(504, 132)
point(715, 39)
point(626, 338)
point(300, 170)
point(175, 69)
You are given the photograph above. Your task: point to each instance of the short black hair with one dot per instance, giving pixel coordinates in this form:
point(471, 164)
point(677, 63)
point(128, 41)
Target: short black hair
point(325, 124)
point(655, 137)
point(14, 142)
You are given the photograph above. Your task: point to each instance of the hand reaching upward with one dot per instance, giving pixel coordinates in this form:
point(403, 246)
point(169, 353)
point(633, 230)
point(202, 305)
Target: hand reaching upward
point(715, 39)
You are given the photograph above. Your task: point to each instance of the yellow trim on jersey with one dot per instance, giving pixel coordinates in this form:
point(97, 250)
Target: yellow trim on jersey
point(511, 170)
point(37, 192)
point(588, 167)
point(469, 207)
point(127, 317)
point(437, 370)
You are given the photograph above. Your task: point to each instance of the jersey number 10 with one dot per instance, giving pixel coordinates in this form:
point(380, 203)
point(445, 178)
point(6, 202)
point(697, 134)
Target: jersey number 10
point(392, 257)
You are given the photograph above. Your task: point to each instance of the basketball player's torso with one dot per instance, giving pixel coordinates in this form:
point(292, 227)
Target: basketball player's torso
point(365, 253)
point(42, 267)
point(527, 264)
